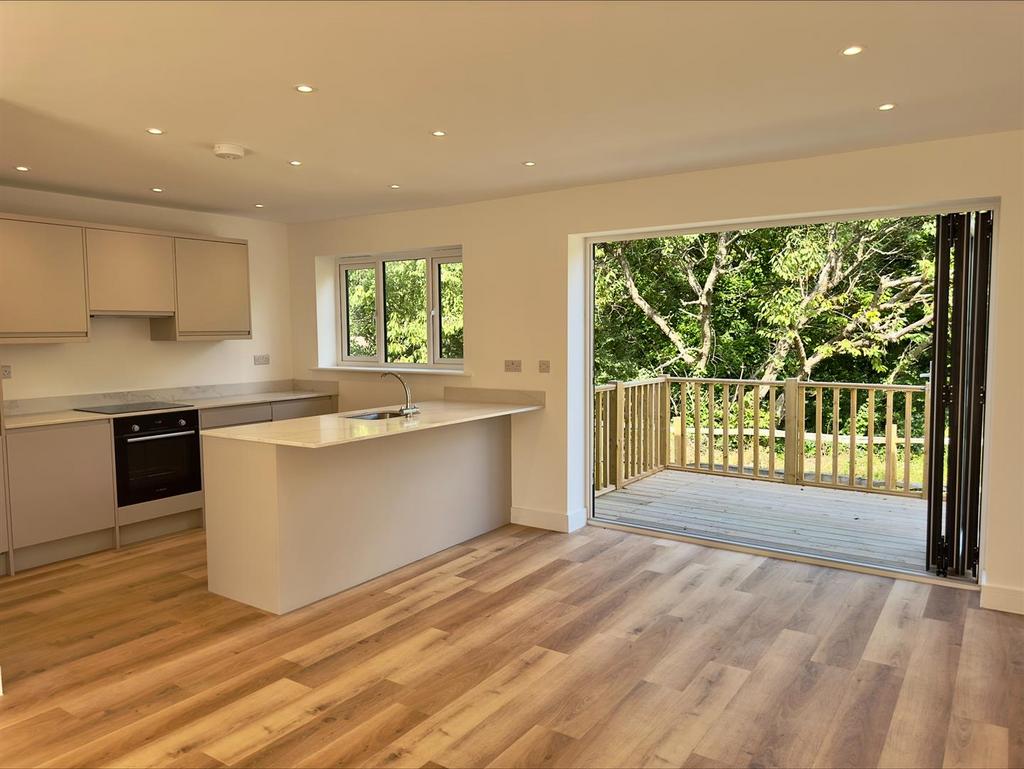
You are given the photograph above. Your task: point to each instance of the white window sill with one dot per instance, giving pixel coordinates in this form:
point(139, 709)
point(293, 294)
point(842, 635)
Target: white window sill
point(397, 369)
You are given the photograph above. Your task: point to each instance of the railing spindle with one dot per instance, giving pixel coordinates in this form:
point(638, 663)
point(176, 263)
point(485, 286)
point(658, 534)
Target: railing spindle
point(817, 434)
point(756, 403)
point(871, 438)
point(726, 412)
point(853, 437)
point(697, 398)
point(741, 428)
point(908, 426)
point(835, 436)
point(890, 443)
point(711, 427)
point(683, 390)
point(771, 431)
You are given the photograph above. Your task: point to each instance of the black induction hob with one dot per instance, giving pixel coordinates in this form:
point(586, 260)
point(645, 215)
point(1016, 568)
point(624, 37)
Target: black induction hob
point(129, 408)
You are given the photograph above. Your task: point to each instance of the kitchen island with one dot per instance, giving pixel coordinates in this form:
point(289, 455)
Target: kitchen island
point(302, 509)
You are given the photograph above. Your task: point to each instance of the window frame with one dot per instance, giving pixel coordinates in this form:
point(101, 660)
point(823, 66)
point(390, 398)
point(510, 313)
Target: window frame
point(433, 258)
point(344, 267)
point(435, 313)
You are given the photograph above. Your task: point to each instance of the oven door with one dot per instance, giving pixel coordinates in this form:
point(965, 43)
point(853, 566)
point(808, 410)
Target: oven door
point(157, 465)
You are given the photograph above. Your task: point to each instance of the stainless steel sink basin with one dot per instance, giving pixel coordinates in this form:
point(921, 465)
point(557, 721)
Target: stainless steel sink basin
point(376, 415)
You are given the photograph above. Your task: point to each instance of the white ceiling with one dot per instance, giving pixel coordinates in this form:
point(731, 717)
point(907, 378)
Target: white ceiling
point(591, 91)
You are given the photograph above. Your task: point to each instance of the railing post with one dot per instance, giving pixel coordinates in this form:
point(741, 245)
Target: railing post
point(794, 431)
point(666, 421)
point(620, 435)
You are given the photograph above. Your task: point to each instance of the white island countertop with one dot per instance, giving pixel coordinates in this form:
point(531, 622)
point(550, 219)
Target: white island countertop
point(336, 429)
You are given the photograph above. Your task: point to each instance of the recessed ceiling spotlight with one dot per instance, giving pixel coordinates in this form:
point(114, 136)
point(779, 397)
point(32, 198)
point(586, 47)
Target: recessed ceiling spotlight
point(259, 205)
point(438, 133)
point(886, 107)
point(396, 186)
point(529, 163)
point(155, 131)
point(853, 50)
point(304, 88)
point(295, 162)
point(22, 169)
point(157, 189)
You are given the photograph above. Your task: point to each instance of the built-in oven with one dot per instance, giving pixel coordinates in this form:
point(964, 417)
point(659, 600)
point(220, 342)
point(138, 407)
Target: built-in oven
point(156, 456)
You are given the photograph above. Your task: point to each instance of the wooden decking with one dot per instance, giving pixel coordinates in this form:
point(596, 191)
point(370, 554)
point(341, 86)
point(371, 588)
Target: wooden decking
point(873, 529)
point(522, 648)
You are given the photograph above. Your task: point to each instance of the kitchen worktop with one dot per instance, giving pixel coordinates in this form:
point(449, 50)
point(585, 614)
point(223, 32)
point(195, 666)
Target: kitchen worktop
point(335, 429)
point(67, 416)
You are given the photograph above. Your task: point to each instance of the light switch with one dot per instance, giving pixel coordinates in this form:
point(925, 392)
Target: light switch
point(543, 367)
point(261, 360)
point(6, 372)
point(513, 366)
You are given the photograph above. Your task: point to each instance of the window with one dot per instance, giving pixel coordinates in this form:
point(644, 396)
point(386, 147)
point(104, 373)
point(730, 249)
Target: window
point(402, 310)
point(449, 309)
point(361, 311)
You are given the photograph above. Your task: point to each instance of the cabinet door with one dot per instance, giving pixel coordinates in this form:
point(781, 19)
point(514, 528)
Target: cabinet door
point(213, 287)
point(130, 272)
point(61, 481)
point(42, 280)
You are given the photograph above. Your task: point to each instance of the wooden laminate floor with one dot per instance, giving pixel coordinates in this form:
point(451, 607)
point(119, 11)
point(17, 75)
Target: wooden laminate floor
point(520, 648)
point(875, 529)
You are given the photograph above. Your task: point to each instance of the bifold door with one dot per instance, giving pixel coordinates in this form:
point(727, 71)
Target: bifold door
point(962, 269)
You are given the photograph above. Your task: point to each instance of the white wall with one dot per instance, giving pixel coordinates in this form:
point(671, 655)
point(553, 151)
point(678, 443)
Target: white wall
point(120, 355)
point(523, 281)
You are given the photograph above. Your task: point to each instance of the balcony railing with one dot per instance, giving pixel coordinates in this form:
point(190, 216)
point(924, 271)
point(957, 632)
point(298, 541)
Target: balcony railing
point(865, 437)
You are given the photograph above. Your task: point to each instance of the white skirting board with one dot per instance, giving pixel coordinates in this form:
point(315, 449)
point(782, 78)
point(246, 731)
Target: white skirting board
point(1003, 598)
point(550, 519)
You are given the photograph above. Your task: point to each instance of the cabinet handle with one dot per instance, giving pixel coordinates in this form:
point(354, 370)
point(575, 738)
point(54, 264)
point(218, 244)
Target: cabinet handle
point(142, 438)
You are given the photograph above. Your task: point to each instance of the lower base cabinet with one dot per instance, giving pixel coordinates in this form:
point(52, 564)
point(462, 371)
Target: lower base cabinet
point(61, 481)
point(306, 407)
point(249, 413)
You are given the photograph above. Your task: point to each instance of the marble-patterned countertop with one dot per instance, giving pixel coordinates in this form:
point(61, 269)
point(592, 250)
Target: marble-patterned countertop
point(335, 429)
point(67, 416)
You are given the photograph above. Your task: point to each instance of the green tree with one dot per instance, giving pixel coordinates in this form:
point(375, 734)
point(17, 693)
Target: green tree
point(840, 300)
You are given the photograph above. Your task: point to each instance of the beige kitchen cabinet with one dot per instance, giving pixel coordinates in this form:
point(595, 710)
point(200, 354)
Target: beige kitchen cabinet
point(42, 282)
point(304, 407)
point(227, 416)
point(212, 292)
point(130, 273)
point(61, 481)
point(3, 504)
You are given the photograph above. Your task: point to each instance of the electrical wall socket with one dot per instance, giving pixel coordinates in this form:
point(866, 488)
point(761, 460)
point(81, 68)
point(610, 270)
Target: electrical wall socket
point(543, 367)
point(513, 366)
point(6, 372)
point(261, 360)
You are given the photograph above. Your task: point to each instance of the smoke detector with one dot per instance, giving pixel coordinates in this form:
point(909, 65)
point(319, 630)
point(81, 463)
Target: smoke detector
point(229, 151)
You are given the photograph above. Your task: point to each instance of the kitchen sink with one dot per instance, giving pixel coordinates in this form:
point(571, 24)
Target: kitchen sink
point(376, 415)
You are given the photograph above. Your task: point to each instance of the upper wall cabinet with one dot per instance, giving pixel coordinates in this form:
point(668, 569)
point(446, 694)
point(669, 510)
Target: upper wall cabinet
point(130, 273)
point(212, 292)
point(42, 283)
